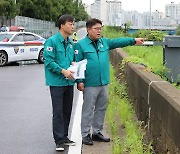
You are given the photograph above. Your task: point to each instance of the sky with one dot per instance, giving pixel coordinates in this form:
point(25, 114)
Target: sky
point(142, 5)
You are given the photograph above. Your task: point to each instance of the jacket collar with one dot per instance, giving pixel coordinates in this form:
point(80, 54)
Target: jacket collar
point(61, 38)
point(89, 41)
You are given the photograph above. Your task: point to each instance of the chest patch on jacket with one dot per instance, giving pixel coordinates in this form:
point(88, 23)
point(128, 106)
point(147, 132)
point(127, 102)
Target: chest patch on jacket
point(49, 48)
point(76, 51)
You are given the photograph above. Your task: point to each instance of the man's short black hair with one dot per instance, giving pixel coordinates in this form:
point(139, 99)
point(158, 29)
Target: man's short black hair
point(93, 22)
point(63, 19)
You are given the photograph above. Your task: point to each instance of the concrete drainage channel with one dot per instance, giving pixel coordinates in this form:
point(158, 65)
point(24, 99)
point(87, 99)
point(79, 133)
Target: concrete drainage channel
point(156, 102)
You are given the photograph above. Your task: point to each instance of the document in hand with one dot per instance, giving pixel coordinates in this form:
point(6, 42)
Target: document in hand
point(78, 69)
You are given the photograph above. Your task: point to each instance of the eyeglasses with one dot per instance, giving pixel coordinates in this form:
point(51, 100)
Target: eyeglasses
point(97, 28)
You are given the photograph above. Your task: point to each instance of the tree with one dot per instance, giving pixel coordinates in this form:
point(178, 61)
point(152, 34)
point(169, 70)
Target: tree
point(79, 12)
point(43, 9)
point(8, 9)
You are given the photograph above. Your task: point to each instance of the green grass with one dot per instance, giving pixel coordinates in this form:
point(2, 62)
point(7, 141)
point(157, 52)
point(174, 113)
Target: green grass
point(112, 33)
point(150, 56)
point(120, 113)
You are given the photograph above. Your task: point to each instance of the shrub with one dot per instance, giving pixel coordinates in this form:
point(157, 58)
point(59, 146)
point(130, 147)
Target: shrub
point(150, 35)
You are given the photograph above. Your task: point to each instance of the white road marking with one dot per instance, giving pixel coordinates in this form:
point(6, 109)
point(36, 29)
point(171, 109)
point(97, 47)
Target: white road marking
point(76, 128)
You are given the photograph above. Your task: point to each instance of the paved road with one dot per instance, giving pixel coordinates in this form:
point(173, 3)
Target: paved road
point(25, 111)
point(81, 33)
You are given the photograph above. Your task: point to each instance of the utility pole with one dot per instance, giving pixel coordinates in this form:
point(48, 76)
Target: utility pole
point(78, 2)
point(150, 16)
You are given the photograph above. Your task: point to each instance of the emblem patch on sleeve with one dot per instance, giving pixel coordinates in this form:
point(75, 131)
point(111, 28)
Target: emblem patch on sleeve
point(49, 48)
point(76, 52)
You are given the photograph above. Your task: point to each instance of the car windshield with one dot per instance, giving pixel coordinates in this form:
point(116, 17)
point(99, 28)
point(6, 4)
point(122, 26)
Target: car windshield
point(5, 36)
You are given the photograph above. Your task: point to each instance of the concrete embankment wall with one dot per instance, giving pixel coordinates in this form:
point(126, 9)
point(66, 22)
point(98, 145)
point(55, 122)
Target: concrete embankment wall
point(155, 101)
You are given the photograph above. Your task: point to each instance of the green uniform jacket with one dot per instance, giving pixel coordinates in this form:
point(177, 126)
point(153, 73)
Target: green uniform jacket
point(58, 55)
point(97, 70)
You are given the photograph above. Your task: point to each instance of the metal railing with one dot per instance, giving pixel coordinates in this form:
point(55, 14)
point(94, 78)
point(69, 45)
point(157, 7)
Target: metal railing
point(41, 27)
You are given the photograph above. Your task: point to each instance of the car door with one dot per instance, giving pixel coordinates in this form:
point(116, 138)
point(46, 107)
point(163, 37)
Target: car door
point(32, 49)
point(18, 47)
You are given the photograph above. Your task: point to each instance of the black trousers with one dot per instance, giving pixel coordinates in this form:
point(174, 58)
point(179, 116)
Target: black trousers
point(62, 99)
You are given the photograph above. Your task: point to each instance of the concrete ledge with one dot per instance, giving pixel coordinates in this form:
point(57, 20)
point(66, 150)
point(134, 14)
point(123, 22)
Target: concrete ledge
point(156, 102)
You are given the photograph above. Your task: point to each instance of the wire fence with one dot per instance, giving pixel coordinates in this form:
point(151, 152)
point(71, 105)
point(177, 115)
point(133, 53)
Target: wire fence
point(41, 27)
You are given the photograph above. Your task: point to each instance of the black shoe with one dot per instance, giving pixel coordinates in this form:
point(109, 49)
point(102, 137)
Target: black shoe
point(99, 137)
point(68, 142)
point(87, 140)
point(60, 147)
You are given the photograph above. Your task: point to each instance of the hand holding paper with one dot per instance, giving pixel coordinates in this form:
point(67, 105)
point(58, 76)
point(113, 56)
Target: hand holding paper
point(78, 69)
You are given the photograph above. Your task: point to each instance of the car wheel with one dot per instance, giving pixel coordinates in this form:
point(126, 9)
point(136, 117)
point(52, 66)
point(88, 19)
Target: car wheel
point(41, 57)
point(3, 58)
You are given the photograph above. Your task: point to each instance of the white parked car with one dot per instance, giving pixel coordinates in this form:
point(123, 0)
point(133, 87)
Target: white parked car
point(18, 46)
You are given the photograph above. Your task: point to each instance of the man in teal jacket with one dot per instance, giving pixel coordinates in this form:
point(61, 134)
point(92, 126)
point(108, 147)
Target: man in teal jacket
point(59, 55)
point(95, 90)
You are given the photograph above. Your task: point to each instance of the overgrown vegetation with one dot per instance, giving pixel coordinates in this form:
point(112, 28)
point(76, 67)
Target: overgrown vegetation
point(113, 31)
point(120, 114)
point(149, 56)
point(150, 35)
point(118, 31)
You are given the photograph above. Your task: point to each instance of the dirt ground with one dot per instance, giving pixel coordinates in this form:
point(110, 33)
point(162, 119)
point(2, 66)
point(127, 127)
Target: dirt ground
point(99, 147)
